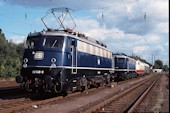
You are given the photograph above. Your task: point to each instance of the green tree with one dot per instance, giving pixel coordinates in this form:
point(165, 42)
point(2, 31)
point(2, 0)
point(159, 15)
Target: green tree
point(158, 64)
point(20, 50)
point(10, 57)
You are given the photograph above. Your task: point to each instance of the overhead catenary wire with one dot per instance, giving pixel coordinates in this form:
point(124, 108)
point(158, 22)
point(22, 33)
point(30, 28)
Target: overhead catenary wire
point(15, 33)
point(16, 19)
point(103, 15)
point(100, 8)
point(129, 14)
point(105, 7)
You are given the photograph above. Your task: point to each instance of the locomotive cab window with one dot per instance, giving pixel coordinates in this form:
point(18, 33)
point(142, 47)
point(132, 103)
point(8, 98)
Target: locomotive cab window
point(32, 42)
point(54, 42)
point(120, 60)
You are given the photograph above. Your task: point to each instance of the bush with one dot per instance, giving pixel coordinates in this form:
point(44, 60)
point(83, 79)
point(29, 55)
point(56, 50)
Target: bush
point(10, 57)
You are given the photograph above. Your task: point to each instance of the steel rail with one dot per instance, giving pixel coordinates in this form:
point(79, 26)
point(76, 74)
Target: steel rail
point(108, 101)
point(9, 88)
point(25, 105)
point(140, 99)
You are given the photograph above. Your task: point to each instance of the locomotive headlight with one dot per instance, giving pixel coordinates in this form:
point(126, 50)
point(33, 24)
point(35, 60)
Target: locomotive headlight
point(39, 55)
point(25, 60)
point(53, 60)
point(25, 65)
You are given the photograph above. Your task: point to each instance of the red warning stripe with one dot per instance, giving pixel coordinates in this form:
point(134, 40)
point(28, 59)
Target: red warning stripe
point(139, 71)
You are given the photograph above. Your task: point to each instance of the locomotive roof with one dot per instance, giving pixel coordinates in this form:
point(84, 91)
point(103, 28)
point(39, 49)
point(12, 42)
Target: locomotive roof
point(78, 36)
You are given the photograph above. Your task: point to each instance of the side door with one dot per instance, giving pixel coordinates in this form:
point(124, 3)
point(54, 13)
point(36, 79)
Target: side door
point(128, 64)
point(74, 56)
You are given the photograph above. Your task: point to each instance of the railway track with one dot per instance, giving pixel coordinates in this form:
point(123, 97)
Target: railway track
point(11, 92)
point(8, 106)
point(141, 97)
point(124, 101)
point(24, 103)
point(4, 90)
point(122, 82)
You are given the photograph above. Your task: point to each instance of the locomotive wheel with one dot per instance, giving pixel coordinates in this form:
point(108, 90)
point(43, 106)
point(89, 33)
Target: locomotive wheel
point(83, 88)
point(97, 85)
point(65, 93)
point(88, 86)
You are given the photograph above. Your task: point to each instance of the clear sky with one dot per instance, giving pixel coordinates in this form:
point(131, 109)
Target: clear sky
point(139, 27)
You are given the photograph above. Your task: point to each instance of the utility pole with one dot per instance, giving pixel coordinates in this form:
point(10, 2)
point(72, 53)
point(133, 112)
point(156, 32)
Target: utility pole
point(152, 60)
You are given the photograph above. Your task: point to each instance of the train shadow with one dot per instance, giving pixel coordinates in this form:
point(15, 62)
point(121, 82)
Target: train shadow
point(6, 94)
point(43, 96)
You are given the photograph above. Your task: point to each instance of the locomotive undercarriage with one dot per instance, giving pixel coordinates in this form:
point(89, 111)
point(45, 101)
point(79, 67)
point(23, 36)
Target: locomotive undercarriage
point(65, 82)
point(46, 84)
point(121, 75)
point(42, 80)
point(85, 79)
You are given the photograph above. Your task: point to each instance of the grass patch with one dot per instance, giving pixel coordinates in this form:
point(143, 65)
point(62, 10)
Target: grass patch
point(7, 79)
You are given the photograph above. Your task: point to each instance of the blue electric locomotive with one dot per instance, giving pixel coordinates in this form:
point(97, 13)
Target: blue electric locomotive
point(125, 67)
point(61, 61)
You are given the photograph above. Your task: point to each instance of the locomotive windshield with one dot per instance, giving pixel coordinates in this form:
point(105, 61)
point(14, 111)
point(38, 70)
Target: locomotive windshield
point(32, 42)
point(120, 60)
point(53, 42)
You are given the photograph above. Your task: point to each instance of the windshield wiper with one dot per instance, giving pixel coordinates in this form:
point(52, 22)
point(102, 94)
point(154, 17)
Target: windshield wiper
point(54, 44)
